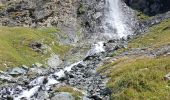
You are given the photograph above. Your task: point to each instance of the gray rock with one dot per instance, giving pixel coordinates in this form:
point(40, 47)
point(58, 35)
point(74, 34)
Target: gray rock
point(63, 96)
point(16, 71)
point(167, 77)
point(42, 95)
point(54, 61)
point(5, 77)
point(97, 15)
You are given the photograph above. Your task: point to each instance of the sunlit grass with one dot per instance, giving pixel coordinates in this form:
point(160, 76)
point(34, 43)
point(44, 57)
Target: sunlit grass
point(15, 41)
point(139, 78)
point(157, 36)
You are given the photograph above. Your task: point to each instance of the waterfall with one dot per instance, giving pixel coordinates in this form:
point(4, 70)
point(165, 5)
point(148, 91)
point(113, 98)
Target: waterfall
point(115, 23)
point(115, 27)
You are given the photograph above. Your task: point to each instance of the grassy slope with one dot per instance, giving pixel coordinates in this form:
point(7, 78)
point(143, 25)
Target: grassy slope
point(141, 78)
point(159, 35)
point(141, 16)
point(15, 50)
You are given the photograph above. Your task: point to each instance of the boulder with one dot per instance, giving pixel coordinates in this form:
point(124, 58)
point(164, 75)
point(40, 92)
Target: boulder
point(16, 71)
point(63, 96)
point(42, 95)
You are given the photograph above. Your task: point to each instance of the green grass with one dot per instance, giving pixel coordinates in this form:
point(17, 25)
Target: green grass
point(76, 94)
point(157, 36)
point(141, 77)
point(142, 17)
point(15, 50)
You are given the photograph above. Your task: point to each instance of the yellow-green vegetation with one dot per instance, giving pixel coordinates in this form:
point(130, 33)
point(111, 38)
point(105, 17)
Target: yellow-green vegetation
point(75, 93)
point(157, 36)
point(141, 77)
point(142, 17)
point(2, 6)
point(15, 49)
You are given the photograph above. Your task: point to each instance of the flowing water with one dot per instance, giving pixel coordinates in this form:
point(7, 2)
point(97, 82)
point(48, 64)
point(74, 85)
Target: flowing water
point(114, 27)
point(25, 92)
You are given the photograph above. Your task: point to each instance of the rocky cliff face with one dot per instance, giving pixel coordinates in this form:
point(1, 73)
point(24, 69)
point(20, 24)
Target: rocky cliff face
point(71, 16)
point(40, 13)
point(88, 16)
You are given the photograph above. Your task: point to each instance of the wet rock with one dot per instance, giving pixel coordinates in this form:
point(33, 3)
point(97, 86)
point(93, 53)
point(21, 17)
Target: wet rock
point(62, 96)
point(42, 95)
point(106, 92)
point(5, 77)
point(10, 98)
point(16, 71)
point(97, 15)
point(96, 49)
point(80, 65)
point(95, 97)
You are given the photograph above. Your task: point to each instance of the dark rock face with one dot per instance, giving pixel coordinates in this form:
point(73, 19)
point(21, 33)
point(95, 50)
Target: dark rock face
point(38, 13)
point(91, 13)
point(150, 7)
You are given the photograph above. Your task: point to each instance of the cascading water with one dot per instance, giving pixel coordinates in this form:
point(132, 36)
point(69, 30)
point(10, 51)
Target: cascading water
point(114, 27)
point(115, 22)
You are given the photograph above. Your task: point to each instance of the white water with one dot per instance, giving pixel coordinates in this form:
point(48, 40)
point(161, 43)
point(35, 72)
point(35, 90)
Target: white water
point(115, 19)
point(97, 48)
point(27, 93)
point(37, 82)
